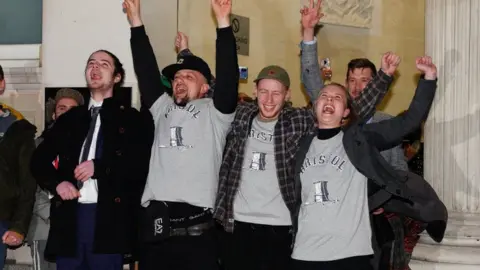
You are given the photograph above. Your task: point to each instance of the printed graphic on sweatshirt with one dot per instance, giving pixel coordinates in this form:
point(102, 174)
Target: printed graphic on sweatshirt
point(260, 142)
point(176, 139)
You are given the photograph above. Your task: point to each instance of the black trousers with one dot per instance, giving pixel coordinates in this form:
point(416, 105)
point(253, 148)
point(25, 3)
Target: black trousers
point(352, 263)
point(181, 253)
point(256, 247)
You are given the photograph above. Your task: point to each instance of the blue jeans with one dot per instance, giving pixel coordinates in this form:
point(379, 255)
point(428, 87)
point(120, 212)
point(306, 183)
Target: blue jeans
point(3, 247)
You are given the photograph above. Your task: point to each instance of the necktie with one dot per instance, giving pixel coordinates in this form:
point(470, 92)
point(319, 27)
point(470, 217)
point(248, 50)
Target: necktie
point(88, 141)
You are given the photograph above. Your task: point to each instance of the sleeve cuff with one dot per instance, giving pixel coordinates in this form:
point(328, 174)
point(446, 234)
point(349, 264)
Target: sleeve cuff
point(224, 31)
point(16, 228)
point(185, 52)
point(309, 46)
point(138, 31)
point(422, 78)
point(314, 41)
point(384, 76)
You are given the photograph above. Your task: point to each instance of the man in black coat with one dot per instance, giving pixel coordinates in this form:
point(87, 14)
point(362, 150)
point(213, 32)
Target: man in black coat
point(17, 186)
point(104, 152)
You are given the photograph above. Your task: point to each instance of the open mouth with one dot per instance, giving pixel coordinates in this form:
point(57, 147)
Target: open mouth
point(328, 109)
point(95, 76)
point(180, 90)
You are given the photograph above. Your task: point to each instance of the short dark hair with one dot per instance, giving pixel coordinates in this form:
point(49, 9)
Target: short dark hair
point(2, 75)
point(117, 68)
point(361, 63)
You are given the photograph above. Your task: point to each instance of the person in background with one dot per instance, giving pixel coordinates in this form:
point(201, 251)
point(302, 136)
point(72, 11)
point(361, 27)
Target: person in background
point(64, 100)
point(17, 186)
point(181, 45)
point(104, 152)
point(394, 236)
point(3, 86)
point(242, 97)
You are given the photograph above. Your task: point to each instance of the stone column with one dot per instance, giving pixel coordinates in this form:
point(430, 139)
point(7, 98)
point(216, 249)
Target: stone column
point(452, 139)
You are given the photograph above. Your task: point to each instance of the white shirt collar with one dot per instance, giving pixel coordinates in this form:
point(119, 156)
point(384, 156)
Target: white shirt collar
point(93, 103)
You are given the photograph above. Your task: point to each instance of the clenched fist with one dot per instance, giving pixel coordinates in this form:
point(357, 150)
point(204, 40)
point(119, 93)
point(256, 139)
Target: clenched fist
point(12, 238)
point(390, 62)
point(181, 42)
point(132, 8)
point(222, 10)
point(67, 191)
point(425, 65)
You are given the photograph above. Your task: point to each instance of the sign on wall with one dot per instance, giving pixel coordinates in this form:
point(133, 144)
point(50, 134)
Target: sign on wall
point(241, 30)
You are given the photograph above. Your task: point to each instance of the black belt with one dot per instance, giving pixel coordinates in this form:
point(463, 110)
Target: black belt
point(195, 230)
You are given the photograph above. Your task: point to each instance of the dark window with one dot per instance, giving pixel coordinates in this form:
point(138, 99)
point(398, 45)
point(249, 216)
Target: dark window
point(20, 22)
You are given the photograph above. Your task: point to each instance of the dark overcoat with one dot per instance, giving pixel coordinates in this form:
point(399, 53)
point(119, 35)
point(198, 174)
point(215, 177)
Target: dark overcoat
point(121, 173)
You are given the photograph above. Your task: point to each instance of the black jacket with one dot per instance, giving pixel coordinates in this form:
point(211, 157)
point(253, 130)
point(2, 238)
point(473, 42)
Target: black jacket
point(17, 186)
point(401, 192)
point(121, 175)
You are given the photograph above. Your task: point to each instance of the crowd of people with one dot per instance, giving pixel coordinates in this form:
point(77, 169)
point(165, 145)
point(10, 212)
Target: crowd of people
point(202, 177)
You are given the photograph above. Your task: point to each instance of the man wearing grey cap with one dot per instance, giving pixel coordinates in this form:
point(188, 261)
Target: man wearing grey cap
point(64, 100)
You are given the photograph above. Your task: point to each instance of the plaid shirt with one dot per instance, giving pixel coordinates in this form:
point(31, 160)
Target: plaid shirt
point(292, 125)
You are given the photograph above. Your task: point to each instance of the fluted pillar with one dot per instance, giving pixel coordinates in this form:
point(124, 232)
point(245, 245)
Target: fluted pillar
point(452, 139)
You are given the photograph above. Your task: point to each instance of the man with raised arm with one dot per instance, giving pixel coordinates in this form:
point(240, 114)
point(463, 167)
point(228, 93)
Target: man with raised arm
point(190, 134)
point(256, 196)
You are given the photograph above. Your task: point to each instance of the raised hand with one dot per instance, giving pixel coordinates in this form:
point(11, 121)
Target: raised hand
point(181, 42)
point(67, 191)
point(132, 8)
point(427, 67)
point(311, 15)
point(222, 10)
point(390, 62)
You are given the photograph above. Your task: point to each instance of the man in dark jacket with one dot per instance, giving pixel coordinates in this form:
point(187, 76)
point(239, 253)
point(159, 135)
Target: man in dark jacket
point(17, 186)
point(64, 100)
point(104, 152)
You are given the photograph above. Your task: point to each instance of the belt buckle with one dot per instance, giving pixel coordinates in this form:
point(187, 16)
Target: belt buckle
point(195, 231)
point(178, 232)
